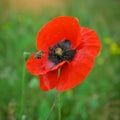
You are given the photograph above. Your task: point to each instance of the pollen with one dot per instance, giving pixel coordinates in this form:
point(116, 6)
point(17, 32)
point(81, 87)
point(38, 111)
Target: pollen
point(59, 51)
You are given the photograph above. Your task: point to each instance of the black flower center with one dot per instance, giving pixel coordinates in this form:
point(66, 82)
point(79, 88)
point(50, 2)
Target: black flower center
point(60, 52)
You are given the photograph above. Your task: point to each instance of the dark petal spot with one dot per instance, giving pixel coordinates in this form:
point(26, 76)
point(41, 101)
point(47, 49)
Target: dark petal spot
point(67, 53)
point(64, 44)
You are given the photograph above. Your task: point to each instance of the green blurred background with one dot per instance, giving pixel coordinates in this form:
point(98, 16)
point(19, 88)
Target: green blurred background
point(97, 98)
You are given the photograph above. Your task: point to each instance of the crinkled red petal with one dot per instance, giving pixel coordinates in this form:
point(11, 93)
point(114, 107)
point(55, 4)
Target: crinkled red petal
point(48, 81)
point(38, 66)
point(59, 65)
point(90, 42)
point(75, 72)
point(58, 29)
point(41, 66)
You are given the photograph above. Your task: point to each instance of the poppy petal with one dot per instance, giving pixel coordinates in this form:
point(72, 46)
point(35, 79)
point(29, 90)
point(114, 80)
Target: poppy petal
point(58, 29)
point(75, 72)
point(38, 66)
point(48, 81)
point(41, 66)
point(90, 42)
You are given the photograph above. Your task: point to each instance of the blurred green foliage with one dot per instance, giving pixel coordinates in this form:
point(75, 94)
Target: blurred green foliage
point(97, 98)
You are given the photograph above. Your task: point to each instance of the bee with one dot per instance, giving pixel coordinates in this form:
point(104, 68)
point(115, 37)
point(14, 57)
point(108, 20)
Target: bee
point(38, 54)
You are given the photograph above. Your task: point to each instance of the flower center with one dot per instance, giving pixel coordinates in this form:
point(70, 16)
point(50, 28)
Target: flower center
point(60, 52)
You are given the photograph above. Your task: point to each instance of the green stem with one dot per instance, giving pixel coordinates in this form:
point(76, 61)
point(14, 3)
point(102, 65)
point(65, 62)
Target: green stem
point(52, 108)
point(22, 91)
point(59, 100)
point(59, 106)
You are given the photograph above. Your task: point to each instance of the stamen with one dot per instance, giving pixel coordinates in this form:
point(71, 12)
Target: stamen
point(58, 51)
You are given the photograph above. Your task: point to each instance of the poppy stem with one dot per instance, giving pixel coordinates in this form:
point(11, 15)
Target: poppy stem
point(22, 91)
point(52, 106)
point(59, 100)
point(59, 106)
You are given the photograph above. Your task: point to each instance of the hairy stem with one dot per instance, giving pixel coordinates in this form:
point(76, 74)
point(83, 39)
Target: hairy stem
point(22, 91)
point(54, 102)
point(59, 106)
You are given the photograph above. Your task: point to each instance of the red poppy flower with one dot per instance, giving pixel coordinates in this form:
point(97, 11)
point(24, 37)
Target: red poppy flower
point(63, 44)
